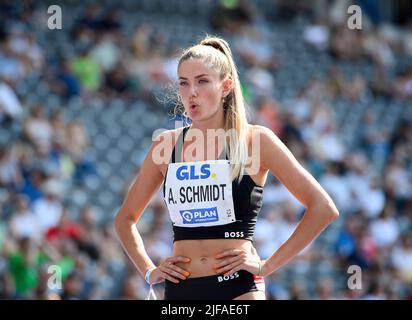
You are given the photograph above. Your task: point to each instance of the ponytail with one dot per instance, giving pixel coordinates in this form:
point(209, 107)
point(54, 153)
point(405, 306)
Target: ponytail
point(236, 124)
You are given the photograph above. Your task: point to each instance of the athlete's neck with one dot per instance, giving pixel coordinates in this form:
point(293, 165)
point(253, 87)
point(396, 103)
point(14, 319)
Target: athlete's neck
point(208, 125)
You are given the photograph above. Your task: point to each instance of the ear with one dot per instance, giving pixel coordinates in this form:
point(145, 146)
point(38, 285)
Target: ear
point(227, 85)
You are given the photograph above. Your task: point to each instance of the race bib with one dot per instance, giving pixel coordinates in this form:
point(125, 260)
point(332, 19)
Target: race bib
point(199, 194)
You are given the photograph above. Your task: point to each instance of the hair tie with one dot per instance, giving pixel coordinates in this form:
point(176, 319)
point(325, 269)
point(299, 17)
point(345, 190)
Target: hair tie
point(214, 45)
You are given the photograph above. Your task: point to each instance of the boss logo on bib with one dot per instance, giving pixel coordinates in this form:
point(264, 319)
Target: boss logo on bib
point(199, 215)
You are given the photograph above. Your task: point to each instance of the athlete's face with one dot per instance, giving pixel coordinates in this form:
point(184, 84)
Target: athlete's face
point(201, 90)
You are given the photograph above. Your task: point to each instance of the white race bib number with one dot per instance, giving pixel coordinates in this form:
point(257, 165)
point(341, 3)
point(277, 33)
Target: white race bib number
point(199, 193)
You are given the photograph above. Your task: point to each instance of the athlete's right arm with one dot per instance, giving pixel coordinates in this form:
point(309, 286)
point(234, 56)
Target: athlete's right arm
point(146, 184)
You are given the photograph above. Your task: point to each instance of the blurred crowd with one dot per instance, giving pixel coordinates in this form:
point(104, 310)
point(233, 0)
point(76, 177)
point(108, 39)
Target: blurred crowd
point(50, 250)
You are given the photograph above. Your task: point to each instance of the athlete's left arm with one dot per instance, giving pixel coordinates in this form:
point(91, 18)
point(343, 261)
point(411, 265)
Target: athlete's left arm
point(320, 209)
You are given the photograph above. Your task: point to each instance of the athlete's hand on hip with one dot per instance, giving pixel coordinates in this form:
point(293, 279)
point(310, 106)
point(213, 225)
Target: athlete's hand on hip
point(234, 260)
point(168, 270)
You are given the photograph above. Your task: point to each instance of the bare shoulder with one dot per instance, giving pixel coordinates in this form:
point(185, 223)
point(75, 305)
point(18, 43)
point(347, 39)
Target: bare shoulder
point(170, 134)
point(279, 160)
point(273, 152)
point(255, 129)
point(166, 139)
point(162, 147)
point(150, 175)
point(262, 135)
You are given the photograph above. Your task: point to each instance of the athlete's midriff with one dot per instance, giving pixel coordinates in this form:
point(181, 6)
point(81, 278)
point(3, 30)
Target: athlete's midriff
point(202, 254)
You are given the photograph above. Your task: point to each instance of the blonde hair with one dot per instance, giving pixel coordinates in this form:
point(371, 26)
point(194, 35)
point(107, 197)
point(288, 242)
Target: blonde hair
point(216, 52)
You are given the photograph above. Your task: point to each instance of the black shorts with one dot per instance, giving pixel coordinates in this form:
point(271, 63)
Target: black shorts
point(214, 287)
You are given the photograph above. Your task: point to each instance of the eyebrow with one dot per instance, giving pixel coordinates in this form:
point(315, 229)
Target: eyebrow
point(200, 75)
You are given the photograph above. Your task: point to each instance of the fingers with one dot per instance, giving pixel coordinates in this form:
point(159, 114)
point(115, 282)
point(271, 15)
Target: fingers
point(235, 260)
point(232, 271)
point(170, 271)
point(240, 255)
point(179, 270)
point(229, 269)
point(232, 252)
point(178, 259)
point(254, 252)
point(174, 273)
point(170, 278)
point(230, 260)
point(171, 264)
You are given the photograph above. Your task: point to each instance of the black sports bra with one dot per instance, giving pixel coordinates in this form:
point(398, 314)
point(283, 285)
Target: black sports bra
point(247, 202)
